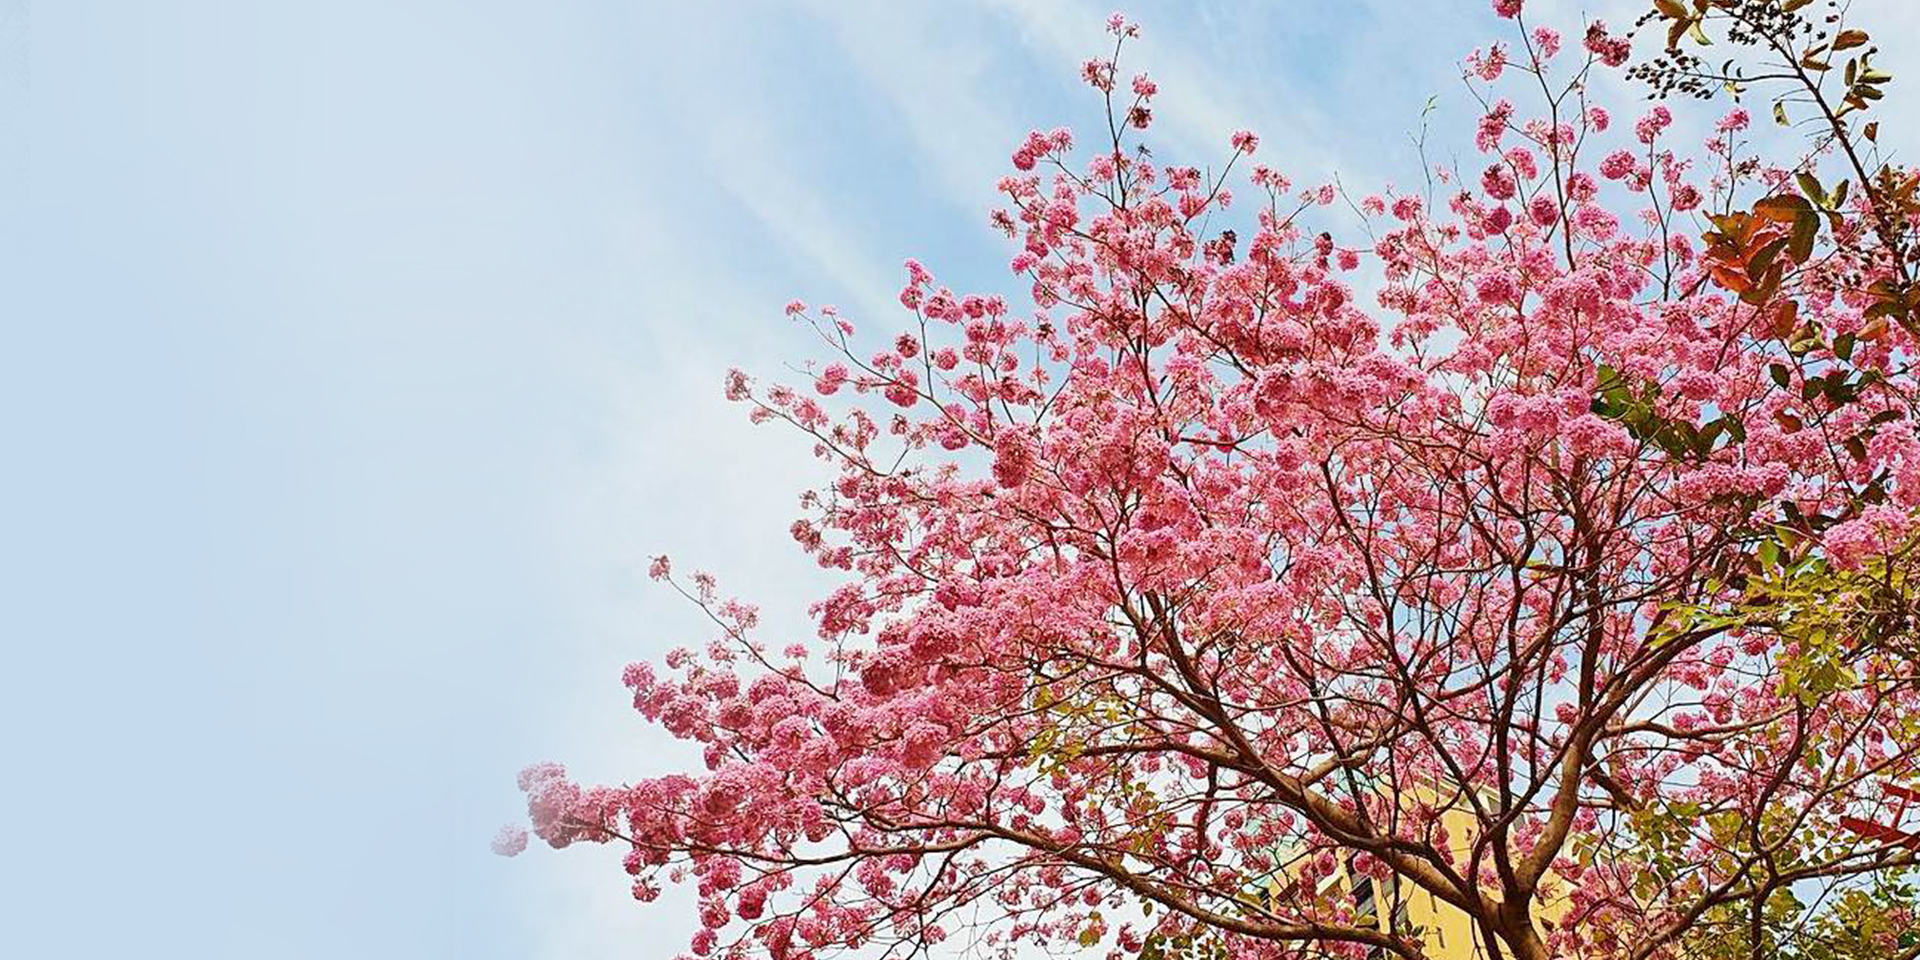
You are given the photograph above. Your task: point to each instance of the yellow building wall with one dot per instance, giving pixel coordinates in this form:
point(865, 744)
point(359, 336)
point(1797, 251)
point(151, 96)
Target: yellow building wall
point(1448, 932)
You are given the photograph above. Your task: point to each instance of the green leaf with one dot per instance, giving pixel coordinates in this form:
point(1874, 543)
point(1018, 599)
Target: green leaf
point(1839, 391)
point(1781, 375)
point(1810, 186)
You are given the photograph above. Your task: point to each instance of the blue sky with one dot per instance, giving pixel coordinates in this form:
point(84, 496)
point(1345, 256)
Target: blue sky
point(359, 354)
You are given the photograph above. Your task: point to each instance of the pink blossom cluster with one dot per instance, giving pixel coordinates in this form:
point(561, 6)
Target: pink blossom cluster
point(1610, 49)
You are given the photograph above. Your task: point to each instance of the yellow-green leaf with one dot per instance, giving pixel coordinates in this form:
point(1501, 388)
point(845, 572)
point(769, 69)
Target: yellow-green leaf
point(1811, 187)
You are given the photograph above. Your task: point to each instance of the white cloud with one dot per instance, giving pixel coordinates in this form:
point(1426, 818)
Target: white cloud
point(940, 85)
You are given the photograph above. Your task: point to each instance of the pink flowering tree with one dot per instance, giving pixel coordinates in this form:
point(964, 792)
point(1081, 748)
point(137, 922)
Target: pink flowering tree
point(1504, 559)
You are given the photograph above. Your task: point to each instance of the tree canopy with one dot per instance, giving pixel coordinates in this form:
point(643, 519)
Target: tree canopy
point(1547, 552)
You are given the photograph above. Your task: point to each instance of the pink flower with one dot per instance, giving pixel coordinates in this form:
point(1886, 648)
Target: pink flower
point(1596, 222)
point(511, 841)
point(738, 387)
point(660, 568)
point(1012, 460)
point(903, 390)
point(1523, 163)
point(1245, 141)
point(1496, 288)
point(1543, 211)
point(831, 379)
point(1875, 531)
point(1497, 221)
point(1098, 74)
point(1612, 51)
point(1618, 165)
point(1493, 126)
point(1489, 65)
point(1498, 183)
point(1649, 126)
point(1697, 385)
point(1681, 246)
point(1548, 40)
point(1591, 436)
point(1507, 8)
point(705, 942)
point(1736, 119)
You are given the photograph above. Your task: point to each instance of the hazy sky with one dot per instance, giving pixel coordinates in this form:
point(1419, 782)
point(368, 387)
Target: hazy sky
point(358, 354)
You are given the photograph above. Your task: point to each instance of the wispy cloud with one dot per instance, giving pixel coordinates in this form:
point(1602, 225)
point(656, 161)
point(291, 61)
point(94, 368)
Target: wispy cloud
point(939, 84)
point(805, 220)
point(1198, 108)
